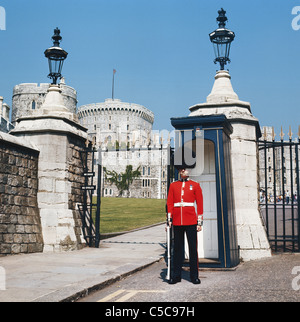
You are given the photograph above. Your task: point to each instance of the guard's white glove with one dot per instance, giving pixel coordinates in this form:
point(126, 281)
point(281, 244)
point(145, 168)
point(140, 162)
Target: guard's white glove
point(200, 223)
point(169, 221)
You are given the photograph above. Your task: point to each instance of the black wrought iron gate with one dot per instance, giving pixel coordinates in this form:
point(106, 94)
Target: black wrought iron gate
point(90, 207)
point(279, 190)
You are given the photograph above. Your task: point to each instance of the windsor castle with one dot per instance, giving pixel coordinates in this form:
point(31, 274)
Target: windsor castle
point(117, 125)
point(114, 125)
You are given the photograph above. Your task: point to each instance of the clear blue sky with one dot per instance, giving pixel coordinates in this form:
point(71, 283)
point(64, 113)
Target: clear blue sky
point(161, 51)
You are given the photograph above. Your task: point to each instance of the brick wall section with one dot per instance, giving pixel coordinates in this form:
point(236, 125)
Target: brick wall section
point(20, 227)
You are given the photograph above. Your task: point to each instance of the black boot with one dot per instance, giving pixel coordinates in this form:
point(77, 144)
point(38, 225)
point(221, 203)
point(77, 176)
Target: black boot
point(196, 281)
point(175, 280)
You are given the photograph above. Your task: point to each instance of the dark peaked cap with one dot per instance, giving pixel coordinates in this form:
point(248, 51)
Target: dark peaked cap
point(184, 158)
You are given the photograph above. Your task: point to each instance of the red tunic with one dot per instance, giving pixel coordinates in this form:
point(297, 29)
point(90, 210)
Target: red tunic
point(180, 203)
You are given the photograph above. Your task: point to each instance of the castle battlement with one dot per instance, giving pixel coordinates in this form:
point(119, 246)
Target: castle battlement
point(115, 106)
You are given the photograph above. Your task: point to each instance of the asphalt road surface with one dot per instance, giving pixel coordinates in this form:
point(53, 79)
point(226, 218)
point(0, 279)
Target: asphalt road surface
point(272, 279)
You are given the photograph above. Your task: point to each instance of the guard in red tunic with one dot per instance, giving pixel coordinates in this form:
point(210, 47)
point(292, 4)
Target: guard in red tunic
point(183, 196)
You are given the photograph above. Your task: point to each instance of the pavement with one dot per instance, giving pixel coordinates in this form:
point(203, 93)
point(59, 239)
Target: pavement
point(61, 277)
point(65, 277)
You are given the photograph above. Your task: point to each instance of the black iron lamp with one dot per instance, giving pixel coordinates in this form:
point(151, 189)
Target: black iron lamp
point(56, 57)
point(222, 39)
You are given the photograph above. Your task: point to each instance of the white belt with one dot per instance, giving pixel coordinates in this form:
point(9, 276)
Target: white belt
point(184, 204)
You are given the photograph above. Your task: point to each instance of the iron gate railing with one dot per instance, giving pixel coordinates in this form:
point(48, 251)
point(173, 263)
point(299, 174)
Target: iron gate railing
point(90, 225)
point(279, 190)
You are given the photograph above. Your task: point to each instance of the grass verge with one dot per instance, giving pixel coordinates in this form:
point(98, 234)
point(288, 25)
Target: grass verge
point(124, 214)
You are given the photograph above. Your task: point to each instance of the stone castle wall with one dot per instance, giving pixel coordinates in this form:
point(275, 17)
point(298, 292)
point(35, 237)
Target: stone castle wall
point(20, 226)
point(41, 175)
point(114, 120)
point(60, 177)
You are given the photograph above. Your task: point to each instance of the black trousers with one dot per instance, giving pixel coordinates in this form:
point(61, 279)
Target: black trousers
point(191, 234)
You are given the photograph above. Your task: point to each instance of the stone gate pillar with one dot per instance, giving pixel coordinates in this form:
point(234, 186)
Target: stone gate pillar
point(223, 100)
point(60, 138)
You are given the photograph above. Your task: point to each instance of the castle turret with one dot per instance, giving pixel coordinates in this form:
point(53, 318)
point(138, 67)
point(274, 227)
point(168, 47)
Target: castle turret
point(31, 96)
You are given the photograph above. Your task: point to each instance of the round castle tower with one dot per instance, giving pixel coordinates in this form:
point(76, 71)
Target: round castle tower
point(114, 120)
point(31, 96)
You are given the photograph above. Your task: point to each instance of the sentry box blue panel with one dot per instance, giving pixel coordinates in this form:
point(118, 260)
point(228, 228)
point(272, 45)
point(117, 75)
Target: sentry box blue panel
point(217, 129)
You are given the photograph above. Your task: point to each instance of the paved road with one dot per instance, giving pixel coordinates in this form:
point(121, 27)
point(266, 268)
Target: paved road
point(268, 280)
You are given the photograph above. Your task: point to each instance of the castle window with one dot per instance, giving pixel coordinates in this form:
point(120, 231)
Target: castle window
point(146, 183)
point(109, 126)
point(33, 105)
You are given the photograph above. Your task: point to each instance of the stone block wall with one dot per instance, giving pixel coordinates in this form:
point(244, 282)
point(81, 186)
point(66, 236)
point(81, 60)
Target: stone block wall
point(20, 227)
point(59, 191)
point(59, 139)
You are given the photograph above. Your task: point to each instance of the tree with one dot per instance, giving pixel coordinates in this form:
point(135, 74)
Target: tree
point(122, 180)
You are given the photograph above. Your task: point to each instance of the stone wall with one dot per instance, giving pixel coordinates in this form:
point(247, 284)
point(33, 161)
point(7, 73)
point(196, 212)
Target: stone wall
point(59, 139)
point(20, 227)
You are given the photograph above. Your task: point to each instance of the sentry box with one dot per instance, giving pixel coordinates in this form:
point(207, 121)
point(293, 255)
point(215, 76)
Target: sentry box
point(209, 139)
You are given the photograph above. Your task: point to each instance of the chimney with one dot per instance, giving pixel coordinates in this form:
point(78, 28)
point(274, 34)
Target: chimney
point(5, 112)
point(1, 103)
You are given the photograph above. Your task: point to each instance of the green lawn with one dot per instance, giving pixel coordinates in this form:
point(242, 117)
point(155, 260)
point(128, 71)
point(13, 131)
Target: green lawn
point(124, 214)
